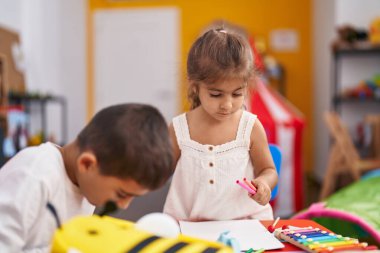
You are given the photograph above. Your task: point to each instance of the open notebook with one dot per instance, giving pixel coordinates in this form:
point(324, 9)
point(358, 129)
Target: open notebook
point(249, 233)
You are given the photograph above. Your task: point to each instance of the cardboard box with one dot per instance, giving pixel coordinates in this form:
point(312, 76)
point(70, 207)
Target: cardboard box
point(14, 80)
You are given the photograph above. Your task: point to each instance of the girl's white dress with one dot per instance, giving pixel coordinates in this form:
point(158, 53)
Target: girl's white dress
point(204, 183)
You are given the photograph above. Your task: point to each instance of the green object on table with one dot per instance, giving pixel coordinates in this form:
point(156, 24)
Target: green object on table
point(257, 251)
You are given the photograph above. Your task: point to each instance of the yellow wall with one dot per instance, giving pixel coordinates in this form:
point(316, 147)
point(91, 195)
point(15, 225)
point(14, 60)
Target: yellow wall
point(258, 17)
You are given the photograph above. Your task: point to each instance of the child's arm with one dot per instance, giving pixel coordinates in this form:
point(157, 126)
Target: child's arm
point(264, 170)
point(176, 150)
point(21, 202)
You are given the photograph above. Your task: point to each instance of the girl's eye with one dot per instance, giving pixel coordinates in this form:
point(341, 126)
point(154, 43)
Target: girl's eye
point(215, 95)
point(237, 94)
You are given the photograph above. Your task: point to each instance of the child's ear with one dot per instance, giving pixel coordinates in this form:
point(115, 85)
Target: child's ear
point(194, 87)
point(87, 161)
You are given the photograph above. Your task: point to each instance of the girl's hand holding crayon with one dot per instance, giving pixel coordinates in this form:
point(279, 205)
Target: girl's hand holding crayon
point(263, 191)
point(258, 190)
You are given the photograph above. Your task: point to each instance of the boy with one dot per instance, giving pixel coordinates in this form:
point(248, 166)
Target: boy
point(122, 153)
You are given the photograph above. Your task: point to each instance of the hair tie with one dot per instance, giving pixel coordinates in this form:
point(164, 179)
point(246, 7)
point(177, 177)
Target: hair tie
point(221, 29)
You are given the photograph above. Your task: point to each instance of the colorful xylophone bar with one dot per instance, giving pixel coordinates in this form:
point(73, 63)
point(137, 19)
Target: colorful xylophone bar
point(315, 240)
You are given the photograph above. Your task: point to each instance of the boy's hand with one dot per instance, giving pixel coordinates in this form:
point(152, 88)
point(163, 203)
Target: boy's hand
point(263, 192)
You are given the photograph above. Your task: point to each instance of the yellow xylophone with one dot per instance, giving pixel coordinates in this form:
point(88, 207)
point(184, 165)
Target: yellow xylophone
point(315, 240)
point(99, 234)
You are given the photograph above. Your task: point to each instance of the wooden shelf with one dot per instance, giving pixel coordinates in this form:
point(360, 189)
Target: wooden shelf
point(340, 99)
point(358, 48)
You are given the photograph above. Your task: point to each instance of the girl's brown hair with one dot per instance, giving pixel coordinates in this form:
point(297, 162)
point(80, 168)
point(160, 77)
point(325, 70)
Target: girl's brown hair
point(217, 55)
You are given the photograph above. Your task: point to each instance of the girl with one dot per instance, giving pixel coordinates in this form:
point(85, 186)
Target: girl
point(218, 142)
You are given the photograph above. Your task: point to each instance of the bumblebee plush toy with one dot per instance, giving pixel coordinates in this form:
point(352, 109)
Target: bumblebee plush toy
point(104, 234)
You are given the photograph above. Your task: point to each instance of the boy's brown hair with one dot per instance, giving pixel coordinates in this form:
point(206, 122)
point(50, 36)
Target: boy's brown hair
point(217, 55)
point(130, 141)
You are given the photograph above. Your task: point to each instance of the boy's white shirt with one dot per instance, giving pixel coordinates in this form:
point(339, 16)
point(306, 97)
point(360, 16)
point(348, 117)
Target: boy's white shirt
point(31, 179)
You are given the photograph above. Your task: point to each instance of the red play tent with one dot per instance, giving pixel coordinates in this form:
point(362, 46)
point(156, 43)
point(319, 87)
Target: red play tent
point(284, 125)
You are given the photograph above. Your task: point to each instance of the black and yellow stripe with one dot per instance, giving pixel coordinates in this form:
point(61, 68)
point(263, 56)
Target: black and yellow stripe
point(119, 236)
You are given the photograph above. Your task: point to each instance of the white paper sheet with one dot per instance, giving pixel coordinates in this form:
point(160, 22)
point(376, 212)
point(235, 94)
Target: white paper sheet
point(249, 233)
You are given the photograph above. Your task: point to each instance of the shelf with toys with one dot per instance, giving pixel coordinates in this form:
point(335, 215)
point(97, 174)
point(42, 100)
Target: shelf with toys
point(356, 44)
point(355, 83)
point(27, 100)
point(20, 114)
point(365, 91)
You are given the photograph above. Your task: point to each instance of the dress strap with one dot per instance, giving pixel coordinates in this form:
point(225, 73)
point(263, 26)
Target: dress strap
point(181, 128)
point(245, 126)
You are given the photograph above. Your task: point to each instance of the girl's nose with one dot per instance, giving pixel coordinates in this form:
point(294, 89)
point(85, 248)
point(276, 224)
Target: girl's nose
point(226, 105)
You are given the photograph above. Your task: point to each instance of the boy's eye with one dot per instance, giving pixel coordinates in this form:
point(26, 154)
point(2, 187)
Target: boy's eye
point(237, 94)
point(121, 195)
point(214, 95)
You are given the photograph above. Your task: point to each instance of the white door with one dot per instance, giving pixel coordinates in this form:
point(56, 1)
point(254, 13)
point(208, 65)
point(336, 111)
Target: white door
point(137, 58)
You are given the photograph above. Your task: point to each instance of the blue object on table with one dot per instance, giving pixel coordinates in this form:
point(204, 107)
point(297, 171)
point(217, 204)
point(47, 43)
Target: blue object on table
point(277, 158)
point(229, 241)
